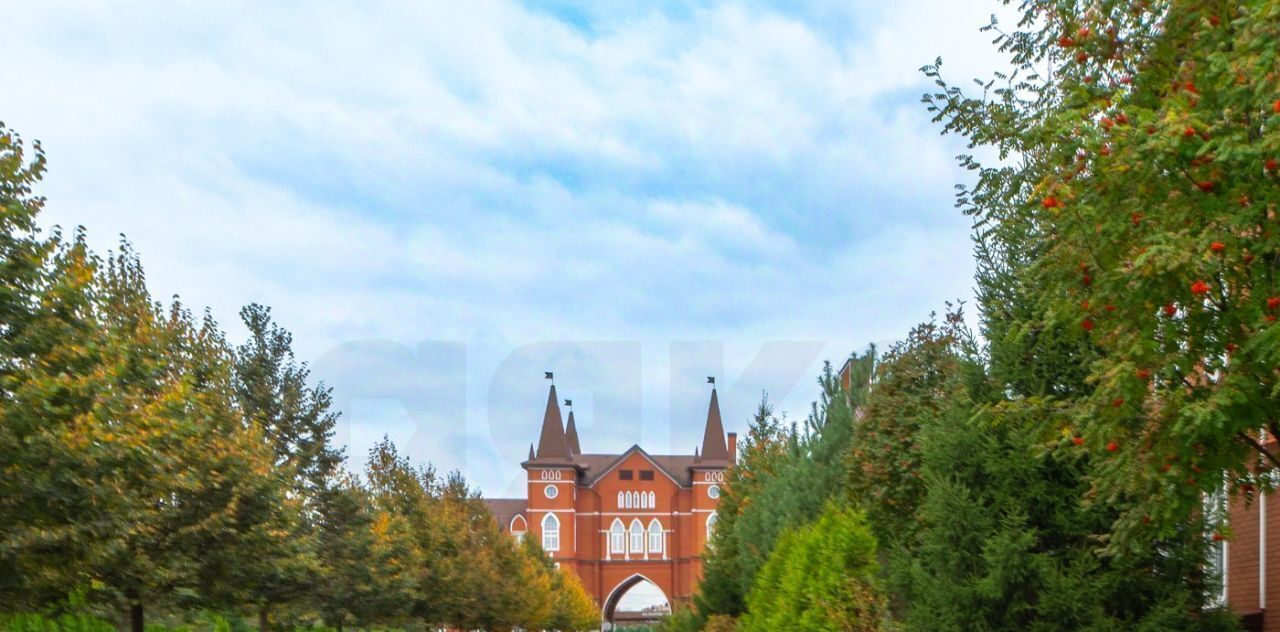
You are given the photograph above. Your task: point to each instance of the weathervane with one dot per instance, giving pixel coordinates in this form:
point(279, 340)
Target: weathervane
point(711, 380)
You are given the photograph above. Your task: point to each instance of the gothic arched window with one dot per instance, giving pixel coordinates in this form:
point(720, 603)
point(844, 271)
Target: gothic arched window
point(637, 537)
point(617, 537)
point(655, 536)
point(551, 533)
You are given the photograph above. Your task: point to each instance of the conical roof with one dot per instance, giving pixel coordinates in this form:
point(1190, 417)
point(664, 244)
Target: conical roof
point(571, 434)
point(713, 443)
point(552, 443)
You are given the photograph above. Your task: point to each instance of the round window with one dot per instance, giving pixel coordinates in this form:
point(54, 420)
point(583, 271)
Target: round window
point(713, 491)
point(551, 491)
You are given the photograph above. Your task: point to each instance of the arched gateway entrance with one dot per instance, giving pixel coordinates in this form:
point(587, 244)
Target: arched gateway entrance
point(635, 601)
point(621, 521)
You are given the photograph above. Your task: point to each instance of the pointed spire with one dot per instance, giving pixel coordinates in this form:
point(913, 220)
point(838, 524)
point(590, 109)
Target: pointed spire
point(552, 443)
point(571, 433)
point(696, 455)
point(531, 455)
point(713, 444)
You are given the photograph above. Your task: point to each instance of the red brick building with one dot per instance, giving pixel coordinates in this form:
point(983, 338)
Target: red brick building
point(1249, 561)
point(621, 519)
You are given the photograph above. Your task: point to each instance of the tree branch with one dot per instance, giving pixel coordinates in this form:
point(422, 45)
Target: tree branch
point(1252, 442)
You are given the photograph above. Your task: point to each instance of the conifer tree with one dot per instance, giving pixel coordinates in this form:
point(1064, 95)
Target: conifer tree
point(783, 480)
point(1004, 542)
point(915, 381)
point(821, 576)
point(761, 456)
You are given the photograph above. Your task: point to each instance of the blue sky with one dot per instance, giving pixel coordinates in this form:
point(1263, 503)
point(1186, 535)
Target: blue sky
point(443, 200)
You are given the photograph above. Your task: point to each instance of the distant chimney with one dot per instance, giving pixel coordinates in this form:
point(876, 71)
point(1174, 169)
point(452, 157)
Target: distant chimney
point(733, 448)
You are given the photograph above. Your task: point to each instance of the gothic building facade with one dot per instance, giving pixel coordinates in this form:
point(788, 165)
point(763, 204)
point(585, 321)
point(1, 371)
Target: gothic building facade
point(621, 519)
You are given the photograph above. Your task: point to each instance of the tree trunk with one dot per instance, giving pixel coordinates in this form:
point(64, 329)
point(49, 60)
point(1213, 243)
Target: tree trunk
point(135, 617)
point(263, 618)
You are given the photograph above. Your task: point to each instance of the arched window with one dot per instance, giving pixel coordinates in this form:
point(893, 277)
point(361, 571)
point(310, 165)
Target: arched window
point(551, 533)
point(637, 537)
point(655, 536)
point(518, 527)
point(652, 498)
point(628, 505)
point(711, 523)
point(620, 500)
point(617, 537)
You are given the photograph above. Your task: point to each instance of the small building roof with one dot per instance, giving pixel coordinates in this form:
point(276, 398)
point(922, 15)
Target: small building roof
point(504, 509)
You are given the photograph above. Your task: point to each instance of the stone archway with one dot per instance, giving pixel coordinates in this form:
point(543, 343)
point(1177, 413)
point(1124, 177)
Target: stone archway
point(613, 617)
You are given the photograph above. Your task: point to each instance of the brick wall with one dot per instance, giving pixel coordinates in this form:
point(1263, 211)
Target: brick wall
point(1247, 573)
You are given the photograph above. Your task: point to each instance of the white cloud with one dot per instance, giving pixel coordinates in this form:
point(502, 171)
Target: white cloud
point(486, 173)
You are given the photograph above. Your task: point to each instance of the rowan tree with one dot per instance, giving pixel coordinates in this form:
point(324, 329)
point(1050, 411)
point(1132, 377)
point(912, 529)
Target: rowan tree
point(1137, 146)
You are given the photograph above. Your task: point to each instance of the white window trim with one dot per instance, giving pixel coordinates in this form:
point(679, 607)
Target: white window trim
point(634, 533)
point(617, 537)
point(550, 533)
point(655, 536)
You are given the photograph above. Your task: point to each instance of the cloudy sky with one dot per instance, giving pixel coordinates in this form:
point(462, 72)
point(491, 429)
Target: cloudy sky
point(444, 200)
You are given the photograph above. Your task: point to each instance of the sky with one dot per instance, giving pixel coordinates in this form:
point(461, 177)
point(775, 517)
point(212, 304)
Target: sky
point(444, 200)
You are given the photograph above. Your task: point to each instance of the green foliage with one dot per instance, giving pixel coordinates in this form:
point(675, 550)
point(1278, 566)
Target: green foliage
point(1137, 232)
point(150, 467)
point(65, 623)
point(934, 369)
point(820, 577)
point(683, 619)
point(783, 479)
point(1004, 542)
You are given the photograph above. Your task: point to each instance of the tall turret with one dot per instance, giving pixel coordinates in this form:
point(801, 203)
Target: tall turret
point(552, 443)
point(713, 443)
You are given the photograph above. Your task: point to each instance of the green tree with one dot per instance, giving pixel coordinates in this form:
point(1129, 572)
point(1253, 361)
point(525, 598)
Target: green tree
point(572, 607)
point(762, 455)
point(368, 560)
point(1147, 136)
point(820, 577)
point(58, 505)
point(171, 445)
point(933, 369)
point(272, 393)
point(46, 305)
point(783, 479)
point(1004, 542)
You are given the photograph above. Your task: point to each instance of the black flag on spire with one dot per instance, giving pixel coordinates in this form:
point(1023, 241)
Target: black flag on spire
point(568, 402)
point(711, 380)
point(549, 375)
